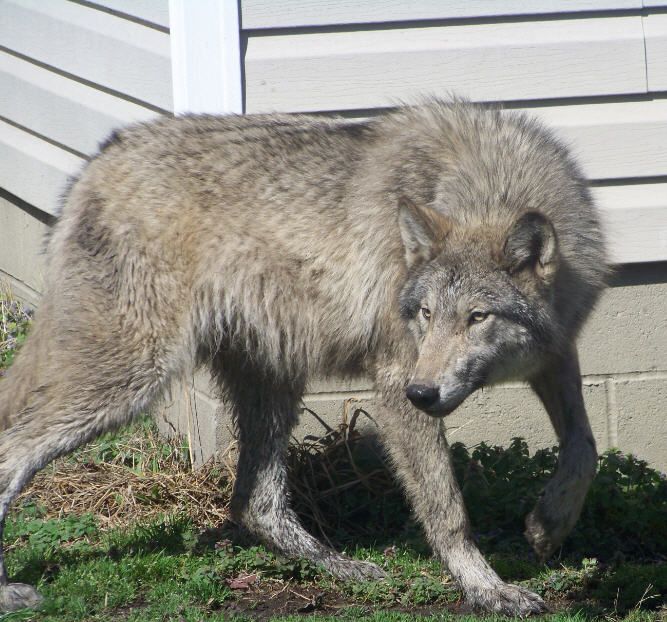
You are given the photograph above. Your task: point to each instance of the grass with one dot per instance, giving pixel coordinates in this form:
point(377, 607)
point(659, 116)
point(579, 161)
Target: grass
point(124, 529)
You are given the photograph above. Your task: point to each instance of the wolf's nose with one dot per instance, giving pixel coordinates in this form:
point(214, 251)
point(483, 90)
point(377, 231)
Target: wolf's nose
point(422, 396)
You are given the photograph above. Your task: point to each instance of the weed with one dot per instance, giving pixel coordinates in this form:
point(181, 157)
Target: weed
point(630, 586)
point(46, 535)
point(14, 323)
point(625, 515)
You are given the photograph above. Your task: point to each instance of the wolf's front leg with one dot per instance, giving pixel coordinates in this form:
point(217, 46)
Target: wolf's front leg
point(554, 516)
point(419, 450)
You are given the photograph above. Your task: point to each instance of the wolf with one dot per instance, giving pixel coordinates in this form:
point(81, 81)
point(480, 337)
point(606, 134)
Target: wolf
point(439, 248)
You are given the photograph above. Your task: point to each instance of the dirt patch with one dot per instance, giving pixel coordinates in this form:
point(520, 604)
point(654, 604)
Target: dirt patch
point(268, 600)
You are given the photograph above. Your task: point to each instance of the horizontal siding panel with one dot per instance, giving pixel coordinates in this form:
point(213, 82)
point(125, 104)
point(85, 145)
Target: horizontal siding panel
point(610, 140)
point(655, 27)
point(63, 110)
point(635, 218)
point(33, 169)
point(95, 46)
point(151, 11)
point(613, 140)
point(367, 69)
point(290, 13)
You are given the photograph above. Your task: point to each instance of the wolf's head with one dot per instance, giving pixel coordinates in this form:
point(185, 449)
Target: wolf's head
point(478, 301)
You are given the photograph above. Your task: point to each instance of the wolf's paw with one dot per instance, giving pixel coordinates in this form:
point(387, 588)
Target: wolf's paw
point(350, 569)
point(15, 596)
point(546, 533)
point(507, 599)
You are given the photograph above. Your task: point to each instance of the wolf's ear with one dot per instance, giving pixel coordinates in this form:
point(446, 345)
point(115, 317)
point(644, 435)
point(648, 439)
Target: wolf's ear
point(532, 245)
point(423, 231)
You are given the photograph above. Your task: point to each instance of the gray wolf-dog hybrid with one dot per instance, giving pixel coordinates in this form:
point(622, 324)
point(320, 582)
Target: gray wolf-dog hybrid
point(438, 248)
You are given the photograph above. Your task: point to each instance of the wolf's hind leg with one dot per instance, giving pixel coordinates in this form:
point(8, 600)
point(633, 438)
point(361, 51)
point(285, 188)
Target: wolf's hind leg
point(266, 413)
point(14, 596)
point(83, 394)
point(557, 511)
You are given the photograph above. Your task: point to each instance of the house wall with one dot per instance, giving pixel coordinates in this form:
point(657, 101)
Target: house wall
point(593, 69)
point(69, 74)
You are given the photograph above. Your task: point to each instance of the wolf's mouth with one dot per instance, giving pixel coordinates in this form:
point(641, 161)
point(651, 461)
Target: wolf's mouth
point(443, 409)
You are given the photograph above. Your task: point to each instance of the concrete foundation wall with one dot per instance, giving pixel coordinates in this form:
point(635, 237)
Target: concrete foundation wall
point(23, 231)
point(623, 352)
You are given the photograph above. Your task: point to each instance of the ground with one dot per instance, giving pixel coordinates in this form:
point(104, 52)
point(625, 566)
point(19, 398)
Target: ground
point(125, 529)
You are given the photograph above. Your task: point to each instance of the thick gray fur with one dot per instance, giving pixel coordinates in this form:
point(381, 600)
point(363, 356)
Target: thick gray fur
point(439, 248)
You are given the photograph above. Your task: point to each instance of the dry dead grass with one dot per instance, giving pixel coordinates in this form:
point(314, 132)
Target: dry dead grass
point(141, 475)
point(340, 481)
point(137, 478)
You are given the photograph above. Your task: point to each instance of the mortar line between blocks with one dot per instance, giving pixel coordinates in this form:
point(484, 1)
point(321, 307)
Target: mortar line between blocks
point(587, 380)
point(612, 413)
point(657, 374)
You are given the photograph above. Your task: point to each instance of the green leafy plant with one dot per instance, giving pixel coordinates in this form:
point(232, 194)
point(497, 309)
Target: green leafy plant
point(625, 515)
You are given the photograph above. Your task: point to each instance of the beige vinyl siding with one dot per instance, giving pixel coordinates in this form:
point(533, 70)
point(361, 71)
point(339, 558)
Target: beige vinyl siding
point(153, 12)
point(617, 140)
point(69, 74)
point(35, 170)
point(595, 71)
point(61, 109)
point(635, 219)
point(290, 13)
point(509, 61)
point(655, 27)
point(92, 45)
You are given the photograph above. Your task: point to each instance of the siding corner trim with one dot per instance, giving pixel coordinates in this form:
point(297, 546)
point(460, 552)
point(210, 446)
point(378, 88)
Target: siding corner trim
point(206, 56)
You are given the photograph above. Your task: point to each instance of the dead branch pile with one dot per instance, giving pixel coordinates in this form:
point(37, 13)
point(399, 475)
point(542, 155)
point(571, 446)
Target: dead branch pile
point(341, 484)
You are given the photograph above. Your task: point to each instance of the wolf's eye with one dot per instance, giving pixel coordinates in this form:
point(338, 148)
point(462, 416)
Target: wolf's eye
point(426, 313)
point(477, 316)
